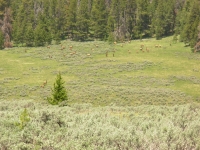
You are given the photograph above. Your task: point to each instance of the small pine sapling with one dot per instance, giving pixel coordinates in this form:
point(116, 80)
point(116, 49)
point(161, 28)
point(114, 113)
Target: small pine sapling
point(59, 93)
point(24, 119)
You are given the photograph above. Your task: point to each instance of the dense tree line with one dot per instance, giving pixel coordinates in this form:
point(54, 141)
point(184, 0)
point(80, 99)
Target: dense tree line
point(39, 22)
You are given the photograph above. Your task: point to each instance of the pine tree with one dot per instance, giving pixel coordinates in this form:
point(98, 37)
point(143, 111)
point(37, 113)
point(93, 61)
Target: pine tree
point(59, 93)
point(130, 13)
point(57, 23)
point(158, 23)
point(1, 40)
point(189, 34)
point(29, 35)
point(39, 36)
point(142, 19)
point(82, 21)
point(3, 5)
point(181, 21)
point(99, 19)
point(71, 18)
point(23, 16)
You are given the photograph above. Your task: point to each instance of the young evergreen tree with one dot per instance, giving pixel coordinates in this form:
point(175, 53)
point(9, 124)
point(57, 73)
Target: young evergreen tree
point(59, 93)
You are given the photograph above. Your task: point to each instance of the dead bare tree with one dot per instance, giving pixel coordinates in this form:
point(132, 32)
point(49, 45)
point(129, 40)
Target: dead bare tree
point(6, 28)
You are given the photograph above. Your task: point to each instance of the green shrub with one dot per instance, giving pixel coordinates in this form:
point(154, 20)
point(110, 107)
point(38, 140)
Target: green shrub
point(24, 119)
point(59, 93)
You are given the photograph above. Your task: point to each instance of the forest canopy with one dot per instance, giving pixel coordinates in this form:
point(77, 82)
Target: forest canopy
point(39, 22)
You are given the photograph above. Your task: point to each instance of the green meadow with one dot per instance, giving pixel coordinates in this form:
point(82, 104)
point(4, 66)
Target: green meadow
point(142, 94)
point(128, 76)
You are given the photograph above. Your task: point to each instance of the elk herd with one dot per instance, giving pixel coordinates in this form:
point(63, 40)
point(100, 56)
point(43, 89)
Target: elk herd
point(142, 48)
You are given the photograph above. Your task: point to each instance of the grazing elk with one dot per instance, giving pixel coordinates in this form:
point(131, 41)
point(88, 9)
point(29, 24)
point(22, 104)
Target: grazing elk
point(106, 53)
point(63, 47)
point(44, 84)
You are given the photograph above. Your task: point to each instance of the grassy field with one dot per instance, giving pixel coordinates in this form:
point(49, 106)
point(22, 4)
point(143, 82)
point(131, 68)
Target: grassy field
point(120, 97)
point(166, 75)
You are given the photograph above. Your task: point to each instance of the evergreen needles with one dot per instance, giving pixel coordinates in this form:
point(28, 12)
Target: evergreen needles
point(59, 93)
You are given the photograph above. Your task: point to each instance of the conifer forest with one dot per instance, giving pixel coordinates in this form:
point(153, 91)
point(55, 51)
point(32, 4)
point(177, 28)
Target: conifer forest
point(37, 22)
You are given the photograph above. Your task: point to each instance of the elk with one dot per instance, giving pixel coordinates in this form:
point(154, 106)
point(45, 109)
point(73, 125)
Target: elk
point(70, 47)
point(63, 47)
point(147, 49)
point(88, 54)
point(48, 47)
point(44, 84)
point(156, 46)
point(107, 54)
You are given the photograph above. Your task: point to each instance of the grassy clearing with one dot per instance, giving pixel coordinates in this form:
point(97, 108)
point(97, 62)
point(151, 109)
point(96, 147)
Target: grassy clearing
point(163, 75)
point(151, 98)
